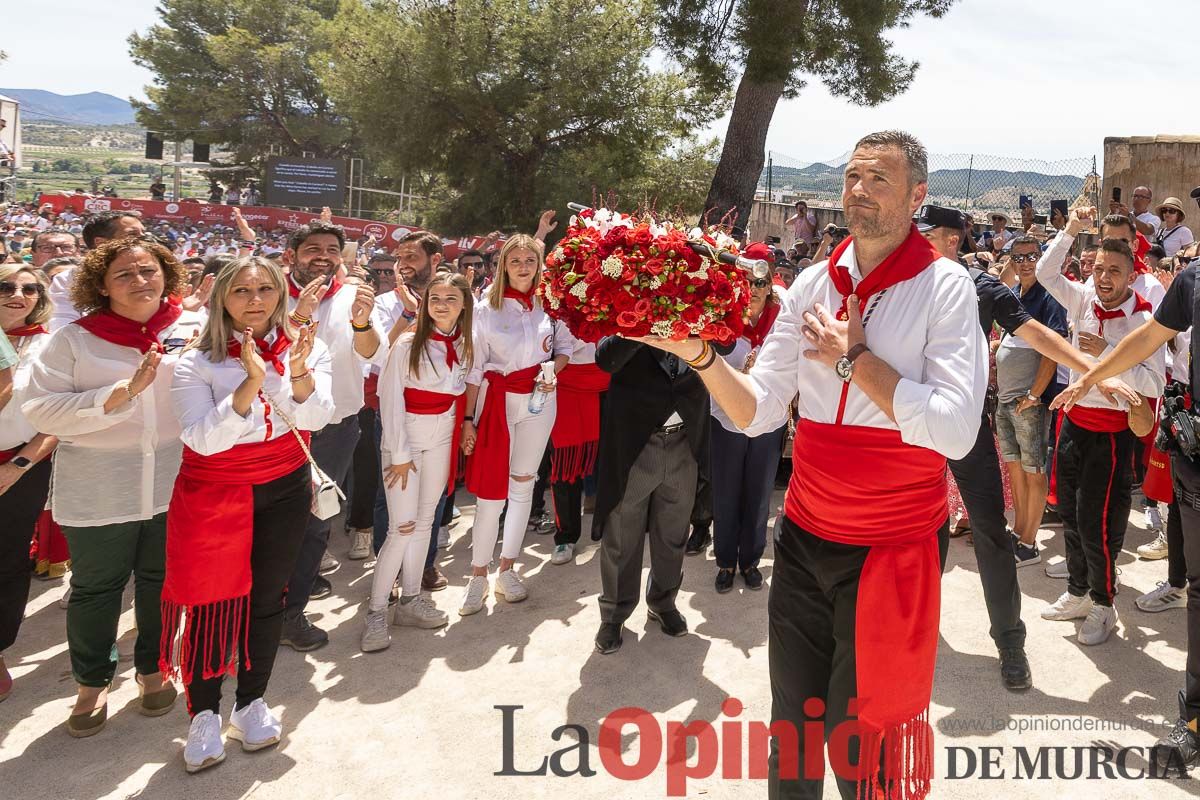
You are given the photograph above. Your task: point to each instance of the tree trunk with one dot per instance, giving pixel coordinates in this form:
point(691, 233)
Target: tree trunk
point(743, 155)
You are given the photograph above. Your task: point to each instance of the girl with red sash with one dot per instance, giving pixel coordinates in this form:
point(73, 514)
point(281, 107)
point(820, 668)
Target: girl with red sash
point(513, 337)
point(24, 453)
point(422, 399)
point(102, 386)
point(247, 393)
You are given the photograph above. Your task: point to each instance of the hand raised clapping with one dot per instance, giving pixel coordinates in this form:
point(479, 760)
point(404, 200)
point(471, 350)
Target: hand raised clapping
point(147, 370)
point(301, 349)
point(256, 368)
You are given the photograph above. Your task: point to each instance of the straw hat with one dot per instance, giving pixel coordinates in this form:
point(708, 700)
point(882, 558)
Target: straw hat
point(1172, 202)
point(994, 214)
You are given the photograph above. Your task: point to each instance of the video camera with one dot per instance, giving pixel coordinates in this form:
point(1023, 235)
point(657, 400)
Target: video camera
point(1175, 428)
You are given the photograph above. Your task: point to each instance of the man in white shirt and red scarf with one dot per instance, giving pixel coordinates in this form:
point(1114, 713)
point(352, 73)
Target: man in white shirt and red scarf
point(884, 346)
point(1094, 463)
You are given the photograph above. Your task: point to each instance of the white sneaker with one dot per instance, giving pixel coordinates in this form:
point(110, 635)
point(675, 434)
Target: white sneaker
point(477, 592)
point(375, 636)
point(443, 537)
point(360, 546)
point(1152, 551)
point(419, 613)
point(509, 586)
point(1058, 569)
point(255, 726)
point(1098, 626)
point(1154, 520)
point(328, 564)
point(1068, 607)
point(563, 554)
point(1163, 597)
point(204, 748)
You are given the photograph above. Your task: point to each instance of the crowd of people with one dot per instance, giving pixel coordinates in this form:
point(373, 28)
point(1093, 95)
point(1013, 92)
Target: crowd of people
point(154, 395)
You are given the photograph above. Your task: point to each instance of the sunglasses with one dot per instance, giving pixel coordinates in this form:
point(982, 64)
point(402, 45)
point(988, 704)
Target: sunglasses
point(1183, 261)
point(8, 289)
point(1141, 197)
point(173, 345)
point(760, 283)
point(1165, 211)
point(1026, 258)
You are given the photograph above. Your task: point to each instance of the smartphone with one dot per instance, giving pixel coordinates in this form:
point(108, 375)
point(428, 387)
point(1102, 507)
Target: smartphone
point(1025, 200)
point(1061, 207)
point(1039, 219)
point(1116, 194)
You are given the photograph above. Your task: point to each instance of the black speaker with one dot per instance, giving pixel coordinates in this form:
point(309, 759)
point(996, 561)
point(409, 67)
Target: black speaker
point(199, 152)
point(154, 146)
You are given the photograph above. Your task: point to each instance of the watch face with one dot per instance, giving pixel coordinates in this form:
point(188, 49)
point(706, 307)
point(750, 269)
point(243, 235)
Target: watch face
point(21, 462)
point(843, 367)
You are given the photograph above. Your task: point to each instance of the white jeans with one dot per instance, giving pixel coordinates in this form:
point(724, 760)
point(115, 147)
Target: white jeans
point(404, 550)
point(528, 435)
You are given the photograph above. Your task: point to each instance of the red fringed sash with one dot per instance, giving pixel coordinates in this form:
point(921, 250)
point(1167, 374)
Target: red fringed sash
point(210, 532)
point(487, 468)
point(420, 401)
point(576, 431)
point(899, 590)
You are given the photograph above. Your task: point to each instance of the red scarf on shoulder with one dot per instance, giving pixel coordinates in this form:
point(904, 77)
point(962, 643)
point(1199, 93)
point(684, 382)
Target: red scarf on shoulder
point(26, 330)
point(524, 298)
point(112, 327)
point(295, 290)
point(757, 333)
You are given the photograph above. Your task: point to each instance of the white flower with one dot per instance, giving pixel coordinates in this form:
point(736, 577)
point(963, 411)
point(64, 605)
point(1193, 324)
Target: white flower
point(662, 328)
point(612, 267)
point(701, 272)
point(655, 282)
point(553, 300)
point(580, 290)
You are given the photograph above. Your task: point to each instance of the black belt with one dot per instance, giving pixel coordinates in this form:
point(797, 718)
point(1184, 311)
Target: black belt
point(1187, 498)
point(676, 428)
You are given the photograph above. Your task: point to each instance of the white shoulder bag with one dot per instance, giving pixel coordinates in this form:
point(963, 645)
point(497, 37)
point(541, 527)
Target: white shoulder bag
point(326, 494)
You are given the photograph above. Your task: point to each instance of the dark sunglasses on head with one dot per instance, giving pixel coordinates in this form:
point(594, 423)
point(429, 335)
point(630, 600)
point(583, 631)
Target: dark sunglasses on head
point(1182, 261)
point(8, 289)
point(760, 283)
point(1026, 258)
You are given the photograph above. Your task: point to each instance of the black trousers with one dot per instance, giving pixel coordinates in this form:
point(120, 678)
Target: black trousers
point(365, 474)
point(20, 508)
point(1095, 476)
point(280, 512)
point(1186, 475)
point(743, 470)
point(702, 511)
point(811, 648)
point(1176, 556)
point(978, 477)
point(568, 512)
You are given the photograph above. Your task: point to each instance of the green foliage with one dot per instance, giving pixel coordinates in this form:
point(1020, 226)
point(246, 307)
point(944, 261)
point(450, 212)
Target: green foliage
point(242, 73)
point(70, 164)
point(509, 106)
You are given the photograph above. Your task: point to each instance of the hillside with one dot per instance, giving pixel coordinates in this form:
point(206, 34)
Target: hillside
point(93, 108)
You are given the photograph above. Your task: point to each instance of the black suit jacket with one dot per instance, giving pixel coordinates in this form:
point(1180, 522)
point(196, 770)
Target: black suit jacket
point(641, 398)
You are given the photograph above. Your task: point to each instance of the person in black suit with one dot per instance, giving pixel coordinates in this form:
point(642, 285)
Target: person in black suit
point(653, 436)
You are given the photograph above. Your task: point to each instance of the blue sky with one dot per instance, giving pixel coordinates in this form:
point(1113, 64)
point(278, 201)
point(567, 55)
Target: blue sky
point(1017, 78)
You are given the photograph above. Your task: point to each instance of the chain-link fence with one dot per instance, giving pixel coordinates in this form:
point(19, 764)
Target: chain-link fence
point(972, 182)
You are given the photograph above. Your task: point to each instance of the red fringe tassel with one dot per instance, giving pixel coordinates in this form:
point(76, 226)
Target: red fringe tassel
point(218, 628)
point(907, 751)
point(569, 464)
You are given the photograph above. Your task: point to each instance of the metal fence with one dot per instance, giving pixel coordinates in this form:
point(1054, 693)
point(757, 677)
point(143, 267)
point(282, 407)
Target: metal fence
point(972, 182)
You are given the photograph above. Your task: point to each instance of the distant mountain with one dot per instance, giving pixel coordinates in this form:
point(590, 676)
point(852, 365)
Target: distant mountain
point(93, 108)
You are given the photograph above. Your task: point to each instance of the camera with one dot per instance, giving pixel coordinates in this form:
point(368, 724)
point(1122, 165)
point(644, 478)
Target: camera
point(1176, 431)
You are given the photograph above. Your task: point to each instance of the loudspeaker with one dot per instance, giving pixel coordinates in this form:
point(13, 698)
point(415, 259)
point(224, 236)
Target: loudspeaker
point(154, 146)
point(199, 152)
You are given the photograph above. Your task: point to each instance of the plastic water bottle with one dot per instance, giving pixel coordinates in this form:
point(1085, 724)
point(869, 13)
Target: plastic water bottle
point(537, 400)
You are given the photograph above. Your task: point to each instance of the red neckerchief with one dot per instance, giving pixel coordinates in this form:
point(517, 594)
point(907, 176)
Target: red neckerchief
point(270, 351)
point(112, 327)
point(906, 261)
point(1139, 304)
point(295, 290)
point(1139, 259)
point(524, 298)
point(756, 334)
point(451, 352)
point(26, 330)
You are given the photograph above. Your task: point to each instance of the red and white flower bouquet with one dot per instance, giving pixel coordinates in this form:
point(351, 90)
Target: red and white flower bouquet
point(613, 273)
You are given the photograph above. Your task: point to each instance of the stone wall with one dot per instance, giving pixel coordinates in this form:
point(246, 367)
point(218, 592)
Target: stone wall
point(767, 219)
point(1169, 165)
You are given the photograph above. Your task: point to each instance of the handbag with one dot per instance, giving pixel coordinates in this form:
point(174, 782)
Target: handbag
point(326, 494)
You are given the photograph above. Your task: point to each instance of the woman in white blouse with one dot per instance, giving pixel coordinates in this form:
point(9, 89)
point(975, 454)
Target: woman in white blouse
point(513, 338)
point(101, 386)
point(421, 404)
point(247, 393)
point(24, 453)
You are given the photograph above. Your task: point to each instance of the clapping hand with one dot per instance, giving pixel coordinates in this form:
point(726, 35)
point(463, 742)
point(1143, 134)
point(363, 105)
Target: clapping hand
point(199, 298)
point(310, 297)
point(243, 227)
point(364, 303)
point(301, 348)
point(252, 362)
point(147, 370)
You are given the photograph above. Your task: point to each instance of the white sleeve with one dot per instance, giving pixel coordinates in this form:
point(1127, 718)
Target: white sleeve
point(479, 343)
point(56, 408)
point(394, 447)
point(942, 412)
point(207, 425)
point(317, 411)
point(774, 372)
point(564, 342)
point(381, 353)
point(1073, 296)
point(64, 312)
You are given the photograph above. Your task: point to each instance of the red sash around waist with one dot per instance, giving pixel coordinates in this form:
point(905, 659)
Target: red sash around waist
point(487, 467)
point(576, 431)
point(210, 532)
point(1099, 420)
point(8, 455)
point(865, 486)
point(420, 401)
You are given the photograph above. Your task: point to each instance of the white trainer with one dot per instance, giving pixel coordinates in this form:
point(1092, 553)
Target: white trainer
point(328, 564)
point(1099, 625)
point(255, 726)
point(375, 636)
point(563, 554)
point(1058, 569)
point(1152, 551)
point(510, 587)
point(1068, 607)
point(477, 592)
point(360, 546)
point(443, 537)
point(419, 612)
point(204, 747)
point(1162, 597)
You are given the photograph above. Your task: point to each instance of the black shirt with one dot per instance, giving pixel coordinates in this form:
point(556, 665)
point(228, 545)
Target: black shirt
point(998, 304)
point(1175, 311)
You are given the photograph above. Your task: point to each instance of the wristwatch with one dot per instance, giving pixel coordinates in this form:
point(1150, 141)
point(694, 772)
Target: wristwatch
point(844, 366)
point(1033, 397)
point(21, 462)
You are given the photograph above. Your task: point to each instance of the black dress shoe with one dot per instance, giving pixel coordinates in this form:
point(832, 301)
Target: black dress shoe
point(608, 638)
point(753, 578)
point(1014, 669)
point(724, 580)
point(698, 541)
point(671, 621)
point(321, 588)
point(1178, 749)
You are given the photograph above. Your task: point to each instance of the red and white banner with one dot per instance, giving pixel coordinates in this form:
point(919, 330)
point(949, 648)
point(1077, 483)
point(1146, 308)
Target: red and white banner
point(257, 216)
